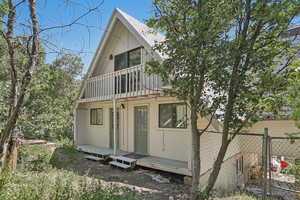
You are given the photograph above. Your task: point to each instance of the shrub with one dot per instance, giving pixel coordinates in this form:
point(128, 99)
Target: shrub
point(68, 147)
point(34, 158)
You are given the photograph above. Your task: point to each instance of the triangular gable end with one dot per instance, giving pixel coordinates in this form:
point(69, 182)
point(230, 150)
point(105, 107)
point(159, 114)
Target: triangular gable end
point(144, 35)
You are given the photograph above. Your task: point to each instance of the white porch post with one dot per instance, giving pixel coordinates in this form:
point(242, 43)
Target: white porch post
point(75, 134)
point(115, 125)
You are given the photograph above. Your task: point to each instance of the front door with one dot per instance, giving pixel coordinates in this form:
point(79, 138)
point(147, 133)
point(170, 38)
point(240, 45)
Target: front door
point(141, 129)
point(111, 128)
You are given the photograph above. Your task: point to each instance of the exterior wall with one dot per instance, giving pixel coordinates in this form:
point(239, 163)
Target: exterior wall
point(119, 41)
point(210, 144)
point(162, 142)
point(276, 127)
point(97, 135)
point(228, 178)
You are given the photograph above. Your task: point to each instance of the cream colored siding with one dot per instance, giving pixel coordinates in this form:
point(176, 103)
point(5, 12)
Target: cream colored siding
point(120, 40)
point(251, 144)
point(97, 135)
point(210, 144)
point(162, 142)
point(170, 143)
point(276, 127)
point(228, 179)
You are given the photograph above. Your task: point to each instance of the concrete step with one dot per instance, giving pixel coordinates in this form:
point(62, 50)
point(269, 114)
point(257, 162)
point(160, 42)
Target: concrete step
point(118, 164)
point(95, 158)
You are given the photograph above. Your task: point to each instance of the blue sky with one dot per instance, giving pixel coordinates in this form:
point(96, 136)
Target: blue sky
point(82, 38)
point(79, 38)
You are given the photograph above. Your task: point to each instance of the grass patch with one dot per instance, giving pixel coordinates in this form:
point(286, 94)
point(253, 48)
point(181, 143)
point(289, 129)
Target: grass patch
point(36, 179)
point(58, 185)
point(34, 158)
point(68, 147)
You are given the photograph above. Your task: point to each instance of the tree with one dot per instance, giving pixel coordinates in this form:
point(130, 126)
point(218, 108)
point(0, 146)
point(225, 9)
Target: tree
point(47, 112)
point(257, 58)
point(223, 59)
point(7, 140)
point(194, 33)
point(21, 70)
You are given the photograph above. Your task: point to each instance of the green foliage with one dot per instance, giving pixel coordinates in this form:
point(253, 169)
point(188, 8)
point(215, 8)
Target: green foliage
point(57, 185)
point(34, 158)
point(224, 55)
point(293, 93)
point(69, 147)
point(202, 194)
point(36, 179)
point(226, 59)
point(3, 10)
point(291, 169)
point(48, 110)
point(48, 107)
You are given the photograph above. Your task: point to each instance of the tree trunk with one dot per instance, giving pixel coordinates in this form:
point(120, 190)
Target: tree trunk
point(217, 167)
point(196, 162)
point(12, 154)
point(8, 144)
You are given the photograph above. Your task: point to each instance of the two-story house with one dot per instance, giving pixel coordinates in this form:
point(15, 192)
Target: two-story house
point(122, 112)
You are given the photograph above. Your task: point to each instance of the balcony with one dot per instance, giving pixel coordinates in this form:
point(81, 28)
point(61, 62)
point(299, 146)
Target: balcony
point(130, 82)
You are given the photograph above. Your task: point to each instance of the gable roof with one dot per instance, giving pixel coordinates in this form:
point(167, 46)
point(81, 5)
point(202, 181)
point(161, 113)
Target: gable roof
point(148, 34)
point(144, 34)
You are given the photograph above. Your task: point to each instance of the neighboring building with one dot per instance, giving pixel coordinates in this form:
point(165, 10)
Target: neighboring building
point(152, 130)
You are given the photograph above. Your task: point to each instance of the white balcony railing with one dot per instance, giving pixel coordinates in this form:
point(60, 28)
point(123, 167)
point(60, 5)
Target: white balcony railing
point(130, 82)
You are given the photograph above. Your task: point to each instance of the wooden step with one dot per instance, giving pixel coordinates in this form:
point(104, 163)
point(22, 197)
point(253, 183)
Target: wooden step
point(118, 164)
point(122, 158)
point(95, 158)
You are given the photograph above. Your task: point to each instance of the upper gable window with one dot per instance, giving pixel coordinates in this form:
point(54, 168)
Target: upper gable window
point(134, 57)
point(128, 59)
point(121, 61)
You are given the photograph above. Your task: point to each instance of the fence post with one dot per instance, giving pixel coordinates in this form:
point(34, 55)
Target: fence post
point(265, 162)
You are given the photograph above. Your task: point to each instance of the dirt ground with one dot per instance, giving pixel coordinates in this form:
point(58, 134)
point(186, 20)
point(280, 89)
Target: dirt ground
point(139, 179)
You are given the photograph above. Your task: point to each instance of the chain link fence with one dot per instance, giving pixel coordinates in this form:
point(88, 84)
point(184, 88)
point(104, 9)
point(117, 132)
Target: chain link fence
point(284, 156)
point(266, 166)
